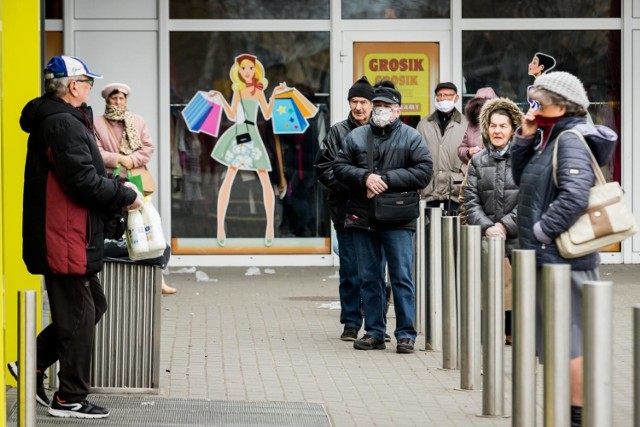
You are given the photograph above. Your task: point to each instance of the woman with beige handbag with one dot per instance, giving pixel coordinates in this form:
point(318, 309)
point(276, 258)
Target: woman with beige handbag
point(123, 139)
point(546, 209)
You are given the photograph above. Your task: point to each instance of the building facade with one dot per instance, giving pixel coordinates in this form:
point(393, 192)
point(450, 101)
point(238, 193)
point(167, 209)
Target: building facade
point(168, 51)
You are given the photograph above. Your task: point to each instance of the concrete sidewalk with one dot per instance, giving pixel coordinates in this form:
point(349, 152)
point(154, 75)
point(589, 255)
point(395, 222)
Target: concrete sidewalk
point(266, 338)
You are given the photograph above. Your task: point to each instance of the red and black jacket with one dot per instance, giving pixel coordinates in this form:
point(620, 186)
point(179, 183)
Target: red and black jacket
point(67, 195)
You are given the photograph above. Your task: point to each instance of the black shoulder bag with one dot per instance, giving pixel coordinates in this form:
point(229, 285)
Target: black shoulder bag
point(392, 206)
point(243, 137)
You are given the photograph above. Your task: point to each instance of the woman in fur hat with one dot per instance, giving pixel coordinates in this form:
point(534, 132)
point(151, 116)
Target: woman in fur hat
point(491, 195)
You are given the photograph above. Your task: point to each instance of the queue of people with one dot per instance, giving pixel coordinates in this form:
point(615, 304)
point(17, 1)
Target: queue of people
point(508, 191)
point(368, 157)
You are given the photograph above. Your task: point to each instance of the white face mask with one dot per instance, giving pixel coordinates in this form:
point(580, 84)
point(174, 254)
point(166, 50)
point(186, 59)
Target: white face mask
point(382, 116)
point(445, 106)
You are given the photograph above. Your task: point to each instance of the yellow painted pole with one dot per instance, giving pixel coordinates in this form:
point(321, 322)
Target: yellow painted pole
point(20, 74)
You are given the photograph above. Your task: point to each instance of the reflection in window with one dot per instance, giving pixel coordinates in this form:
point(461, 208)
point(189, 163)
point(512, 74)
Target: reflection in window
point(541, 9)
point(201, 61)
point(247, 9)
point(500, 59)
point(395, 9)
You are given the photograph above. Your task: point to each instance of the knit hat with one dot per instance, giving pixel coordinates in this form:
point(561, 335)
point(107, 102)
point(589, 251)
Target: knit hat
point(485, 92)
point(361, 88)
point(564, 84)
point(115, 87)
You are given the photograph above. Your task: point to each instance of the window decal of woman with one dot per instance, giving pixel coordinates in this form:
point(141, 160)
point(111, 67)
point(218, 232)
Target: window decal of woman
point(540, 64)
point(240, 147)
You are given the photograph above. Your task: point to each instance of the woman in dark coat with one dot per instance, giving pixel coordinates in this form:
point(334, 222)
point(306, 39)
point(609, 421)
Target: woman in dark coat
point(546, 210)
point(491, 195)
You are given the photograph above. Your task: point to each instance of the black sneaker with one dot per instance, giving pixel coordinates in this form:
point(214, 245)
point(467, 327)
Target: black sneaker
point(387, 338)
point(349, 334)
point(82, 409)
point(405, 345)
point(369, 342)
point(576, 416)
point(41, 394)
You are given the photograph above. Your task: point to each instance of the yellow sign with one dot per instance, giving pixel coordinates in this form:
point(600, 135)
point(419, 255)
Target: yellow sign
point(412, 67)
point(408, 71)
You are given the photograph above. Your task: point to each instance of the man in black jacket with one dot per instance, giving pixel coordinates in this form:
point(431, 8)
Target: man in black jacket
point(359, 98)
point(400, 163)
point(67, 199)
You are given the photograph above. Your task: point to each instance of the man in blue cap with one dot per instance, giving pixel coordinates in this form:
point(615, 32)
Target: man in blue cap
point(384, 156)
point(68, 204)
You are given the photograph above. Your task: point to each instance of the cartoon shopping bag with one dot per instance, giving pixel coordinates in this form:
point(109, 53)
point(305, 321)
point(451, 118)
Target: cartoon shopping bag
point(203, 114)
point(211, 124)
point(306, 107)
point(287, 117)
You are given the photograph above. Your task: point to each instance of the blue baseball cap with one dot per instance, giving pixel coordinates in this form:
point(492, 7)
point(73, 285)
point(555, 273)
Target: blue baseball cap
point(67, 66)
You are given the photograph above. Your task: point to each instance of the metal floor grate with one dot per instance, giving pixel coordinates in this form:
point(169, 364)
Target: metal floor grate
point(160, 412)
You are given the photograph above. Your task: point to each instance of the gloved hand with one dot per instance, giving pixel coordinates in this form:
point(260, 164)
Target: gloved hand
point(137, 204)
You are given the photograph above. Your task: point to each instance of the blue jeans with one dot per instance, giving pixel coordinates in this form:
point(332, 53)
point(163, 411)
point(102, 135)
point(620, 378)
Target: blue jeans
point(397, 246)
point(349, 288)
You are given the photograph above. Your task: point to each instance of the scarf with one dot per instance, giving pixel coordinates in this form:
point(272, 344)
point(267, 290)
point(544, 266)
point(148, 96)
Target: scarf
point(130, 138)
point(255, 84)
point(545, 124)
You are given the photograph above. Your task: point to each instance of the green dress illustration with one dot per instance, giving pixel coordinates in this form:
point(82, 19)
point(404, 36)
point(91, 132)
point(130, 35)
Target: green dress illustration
point(251, 155)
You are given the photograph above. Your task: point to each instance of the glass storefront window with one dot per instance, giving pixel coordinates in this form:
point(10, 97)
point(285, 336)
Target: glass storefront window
point(395, 9)
point(247, 9)
point(541, 9)
point(500, 59)
point(201, 61)
point(53, 9)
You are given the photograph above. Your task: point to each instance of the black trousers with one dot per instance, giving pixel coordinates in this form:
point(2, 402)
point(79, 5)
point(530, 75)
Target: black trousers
point(77, 303)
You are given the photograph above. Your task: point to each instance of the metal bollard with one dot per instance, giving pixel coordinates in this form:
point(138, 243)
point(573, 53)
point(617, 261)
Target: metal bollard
point(26, 358)
point(450, 292)
point(524, 338)
point(636, 364)
point(556, 283)
point(420, 269)
point(493, 326)
point(470, 328)
point(597, 315)
point(433, 339)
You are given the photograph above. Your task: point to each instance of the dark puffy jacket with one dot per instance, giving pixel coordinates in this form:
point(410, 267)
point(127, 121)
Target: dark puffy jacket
point(491, 194)
point(338, 194)
point(557, 209)
point(400, 157)
point(67, 195)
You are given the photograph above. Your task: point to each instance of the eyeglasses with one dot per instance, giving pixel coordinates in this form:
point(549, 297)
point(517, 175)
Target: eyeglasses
point(445, 96)
point(90, 81)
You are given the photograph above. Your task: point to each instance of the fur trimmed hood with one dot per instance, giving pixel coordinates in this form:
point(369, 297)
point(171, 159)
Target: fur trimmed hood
point(514, 113)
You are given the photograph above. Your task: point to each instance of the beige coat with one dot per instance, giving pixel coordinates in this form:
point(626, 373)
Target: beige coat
point(447, 166)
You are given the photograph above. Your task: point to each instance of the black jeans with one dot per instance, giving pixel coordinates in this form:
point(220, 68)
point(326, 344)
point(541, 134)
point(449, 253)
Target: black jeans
point(77, 303)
